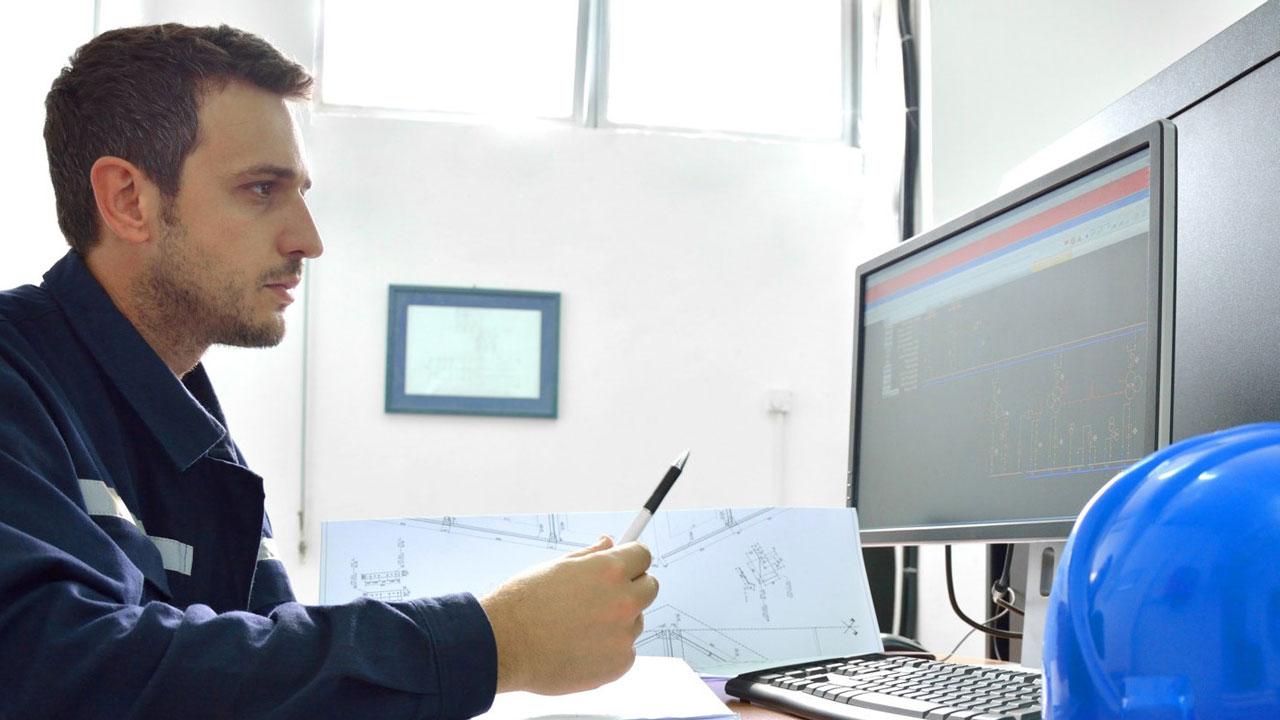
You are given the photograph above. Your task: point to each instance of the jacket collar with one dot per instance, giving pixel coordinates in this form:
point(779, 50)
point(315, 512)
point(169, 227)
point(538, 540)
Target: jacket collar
point(183, 415)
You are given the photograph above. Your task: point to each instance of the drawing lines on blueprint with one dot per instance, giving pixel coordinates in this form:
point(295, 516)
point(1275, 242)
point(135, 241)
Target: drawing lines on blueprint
point(552, 531)
point(538, 531)
point(674, 632)
point(386, 585)
point(762, 572)
point(677, 537)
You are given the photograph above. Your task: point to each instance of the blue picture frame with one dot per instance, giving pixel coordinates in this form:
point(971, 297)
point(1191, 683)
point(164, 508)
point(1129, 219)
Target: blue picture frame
point(408, 372)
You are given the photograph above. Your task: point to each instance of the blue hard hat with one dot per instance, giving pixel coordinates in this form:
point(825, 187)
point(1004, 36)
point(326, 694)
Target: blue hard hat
point(1166, 604)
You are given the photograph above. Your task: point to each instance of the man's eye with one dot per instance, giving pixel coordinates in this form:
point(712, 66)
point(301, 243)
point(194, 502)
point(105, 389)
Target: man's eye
point(262, 189)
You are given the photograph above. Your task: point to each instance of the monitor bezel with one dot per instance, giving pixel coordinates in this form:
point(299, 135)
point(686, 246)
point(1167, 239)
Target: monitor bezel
point(1158, 137)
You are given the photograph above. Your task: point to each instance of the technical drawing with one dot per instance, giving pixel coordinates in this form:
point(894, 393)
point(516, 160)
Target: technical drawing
point(1069, 428)
point(672, 632)
point(384, 585)
point(679, 536)
point(753, 584)
point(1048, 405)
point(762, 571)
point(544, 530)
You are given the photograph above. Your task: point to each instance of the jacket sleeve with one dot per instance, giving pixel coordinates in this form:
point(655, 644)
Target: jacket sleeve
point(78, 640)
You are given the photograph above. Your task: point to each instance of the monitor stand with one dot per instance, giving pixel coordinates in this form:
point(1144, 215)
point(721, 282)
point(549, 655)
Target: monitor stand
point(1035, 564)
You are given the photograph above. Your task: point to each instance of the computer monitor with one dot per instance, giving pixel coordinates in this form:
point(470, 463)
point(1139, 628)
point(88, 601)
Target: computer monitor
point(1010, 362)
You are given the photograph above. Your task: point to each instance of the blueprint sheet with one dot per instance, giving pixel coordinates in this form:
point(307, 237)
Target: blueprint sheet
point(740, 586)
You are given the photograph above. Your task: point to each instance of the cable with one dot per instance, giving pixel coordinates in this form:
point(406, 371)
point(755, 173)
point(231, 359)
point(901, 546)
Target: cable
point(907, 609)
point(911, 97)
point(907, 613)
point(967, 635)
point(998, 599)
point(1002, 595)
point(955, 606)
point(1003, 581)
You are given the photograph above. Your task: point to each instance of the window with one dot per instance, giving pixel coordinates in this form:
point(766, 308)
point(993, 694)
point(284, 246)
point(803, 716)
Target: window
point(755, 66)
point(764, 67)
point(496, 57)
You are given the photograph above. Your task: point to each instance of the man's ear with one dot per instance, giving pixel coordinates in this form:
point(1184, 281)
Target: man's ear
point(128, 202)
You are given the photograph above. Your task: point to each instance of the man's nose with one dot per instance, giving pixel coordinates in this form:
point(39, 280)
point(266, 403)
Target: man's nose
point(302, 237)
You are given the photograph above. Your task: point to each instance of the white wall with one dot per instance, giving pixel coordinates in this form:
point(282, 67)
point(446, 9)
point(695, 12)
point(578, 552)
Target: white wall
point(32, 58)
point(1008, 77)
point(696, 276)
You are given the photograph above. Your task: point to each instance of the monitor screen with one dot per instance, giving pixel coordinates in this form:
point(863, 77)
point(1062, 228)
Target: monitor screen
point(1008, 363)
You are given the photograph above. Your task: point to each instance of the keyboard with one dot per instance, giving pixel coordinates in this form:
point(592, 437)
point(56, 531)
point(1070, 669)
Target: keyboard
point(887, 687)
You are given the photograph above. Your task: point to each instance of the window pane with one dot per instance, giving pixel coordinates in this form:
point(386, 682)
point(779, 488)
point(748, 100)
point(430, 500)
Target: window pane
point(509, 57)
point(758, 66)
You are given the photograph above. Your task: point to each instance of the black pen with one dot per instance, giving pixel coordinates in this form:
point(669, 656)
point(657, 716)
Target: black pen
point(651, 507)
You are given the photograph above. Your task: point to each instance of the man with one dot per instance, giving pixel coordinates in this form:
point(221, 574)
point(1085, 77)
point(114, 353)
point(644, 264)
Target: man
point(136, 572)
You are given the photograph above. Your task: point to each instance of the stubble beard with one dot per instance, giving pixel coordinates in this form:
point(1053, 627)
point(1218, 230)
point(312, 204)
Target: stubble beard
point(186, 302)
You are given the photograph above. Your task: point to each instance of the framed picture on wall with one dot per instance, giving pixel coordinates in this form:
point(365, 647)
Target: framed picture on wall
point(466, 351)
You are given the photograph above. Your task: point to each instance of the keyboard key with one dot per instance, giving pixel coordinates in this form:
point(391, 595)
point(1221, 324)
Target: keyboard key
point(1015, 711)
point(893, 703)
point(830, 691)
point(844, 695)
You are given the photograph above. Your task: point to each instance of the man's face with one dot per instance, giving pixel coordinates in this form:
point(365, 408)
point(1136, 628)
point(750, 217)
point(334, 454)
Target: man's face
point(231, 243)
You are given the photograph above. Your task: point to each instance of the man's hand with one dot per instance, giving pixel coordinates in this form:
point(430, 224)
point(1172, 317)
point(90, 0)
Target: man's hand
point(571, 624)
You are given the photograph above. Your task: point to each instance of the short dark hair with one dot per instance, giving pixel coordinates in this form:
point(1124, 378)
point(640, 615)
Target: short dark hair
point(135, 93)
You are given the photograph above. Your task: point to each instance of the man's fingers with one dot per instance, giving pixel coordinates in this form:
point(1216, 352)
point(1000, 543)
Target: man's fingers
point(604, 543)
point(635, 558)
point(645, 588)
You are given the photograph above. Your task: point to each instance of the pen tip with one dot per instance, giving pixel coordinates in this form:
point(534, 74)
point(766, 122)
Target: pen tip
point(679, 464)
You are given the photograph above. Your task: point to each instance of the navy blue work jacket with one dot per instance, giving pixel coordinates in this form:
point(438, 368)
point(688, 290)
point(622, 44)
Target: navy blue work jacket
point(137, 578)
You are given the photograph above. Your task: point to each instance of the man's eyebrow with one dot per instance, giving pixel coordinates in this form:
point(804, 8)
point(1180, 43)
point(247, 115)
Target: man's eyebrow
point(277, 171)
